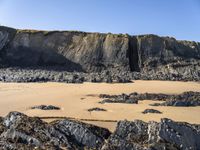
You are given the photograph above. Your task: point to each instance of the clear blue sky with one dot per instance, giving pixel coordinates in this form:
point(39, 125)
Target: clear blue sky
point(177, 18)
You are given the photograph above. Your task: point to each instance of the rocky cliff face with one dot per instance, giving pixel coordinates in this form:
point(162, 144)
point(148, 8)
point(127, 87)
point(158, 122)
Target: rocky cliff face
point(94, 52)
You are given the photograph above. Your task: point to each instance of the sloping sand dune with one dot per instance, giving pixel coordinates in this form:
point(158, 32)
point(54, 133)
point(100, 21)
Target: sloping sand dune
point(75, 99)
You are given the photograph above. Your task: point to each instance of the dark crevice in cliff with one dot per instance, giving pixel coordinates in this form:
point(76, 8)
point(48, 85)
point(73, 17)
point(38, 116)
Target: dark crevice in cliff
point(133, 54)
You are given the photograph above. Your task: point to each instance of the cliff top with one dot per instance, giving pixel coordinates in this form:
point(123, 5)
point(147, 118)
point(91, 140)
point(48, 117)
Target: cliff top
point(47, 32)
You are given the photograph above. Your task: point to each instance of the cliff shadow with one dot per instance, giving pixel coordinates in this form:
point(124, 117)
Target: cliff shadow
point(26, 57)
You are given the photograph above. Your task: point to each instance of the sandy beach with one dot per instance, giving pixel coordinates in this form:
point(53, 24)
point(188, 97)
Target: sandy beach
point(75, 99)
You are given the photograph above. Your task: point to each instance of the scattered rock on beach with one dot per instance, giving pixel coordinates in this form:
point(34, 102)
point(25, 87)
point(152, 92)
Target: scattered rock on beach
point(185, 99)
point(96, 109)
point(46, 107)
point(119, 99)
point(146, 111)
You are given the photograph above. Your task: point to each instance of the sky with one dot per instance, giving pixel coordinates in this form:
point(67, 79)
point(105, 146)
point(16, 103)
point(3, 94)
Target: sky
point(176, 18)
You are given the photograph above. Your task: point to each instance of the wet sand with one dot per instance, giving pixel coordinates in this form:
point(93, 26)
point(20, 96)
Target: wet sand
point(75, 99)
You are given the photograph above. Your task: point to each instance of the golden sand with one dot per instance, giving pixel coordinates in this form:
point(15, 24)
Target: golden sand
point(75, 99)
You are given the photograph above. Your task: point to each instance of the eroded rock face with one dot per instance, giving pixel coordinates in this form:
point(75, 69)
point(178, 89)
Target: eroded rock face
point(153, 56)
point(169, 134)
point(3, 39)
point(18, 131)
point(75, 50)
point(32, 131)
point(83, 134)
point(153, 135)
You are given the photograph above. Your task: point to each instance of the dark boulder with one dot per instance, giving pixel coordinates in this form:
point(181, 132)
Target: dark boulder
point(96, 109)
point(46, 107)
point(146, 111)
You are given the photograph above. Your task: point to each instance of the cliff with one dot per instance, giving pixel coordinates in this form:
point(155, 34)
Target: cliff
point(94, 52)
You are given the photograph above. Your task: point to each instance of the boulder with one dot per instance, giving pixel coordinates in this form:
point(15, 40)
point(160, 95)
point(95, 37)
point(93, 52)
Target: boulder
point(46, 107)
point(146, 111)
point(96, 109)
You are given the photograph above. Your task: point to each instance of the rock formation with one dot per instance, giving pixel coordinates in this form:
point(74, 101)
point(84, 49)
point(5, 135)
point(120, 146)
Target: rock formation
point(97, 52)
point(146, 111)
point(18, 131)
point(46, 107)
point(184, 99)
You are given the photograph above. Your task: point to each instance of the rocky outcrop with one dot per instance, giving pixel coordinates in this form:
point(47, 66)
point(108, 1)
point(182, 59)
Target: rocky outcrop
point(75, 50)
point(46, 107)
point(96, 109)
point(21, 131)
point(172, 135)
point(185, 99)
point(167, 134)
point(146, 111)
point(84, 135)
point(97, 52)
point(168, 56)
point(30, 132)
point(18, 131)
point(118, 99)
